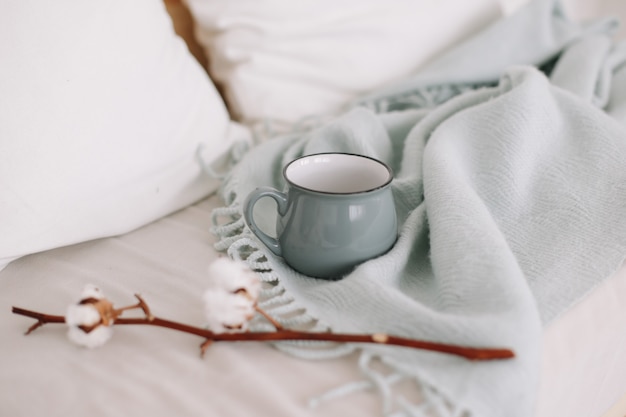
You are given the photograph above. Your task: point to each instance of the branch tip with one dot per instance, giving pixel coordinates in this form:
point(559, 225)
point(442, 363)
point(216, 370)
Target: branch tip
point(205, 346)
point(144, 307)
point(34, 327)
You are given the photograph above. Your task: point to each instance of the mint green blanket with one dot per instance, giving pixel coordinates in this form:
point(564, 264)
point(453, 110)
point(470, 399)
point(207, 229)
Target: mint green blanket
point(509, 156)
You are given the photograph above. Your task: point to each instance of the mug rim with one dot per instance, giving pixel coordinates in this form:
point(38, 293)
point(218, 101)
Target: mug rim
point(369, 190)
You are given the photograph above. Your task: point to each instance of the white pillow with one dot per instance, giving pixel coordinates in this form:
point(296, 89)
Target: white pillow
point(102, 108)
point(284, 60)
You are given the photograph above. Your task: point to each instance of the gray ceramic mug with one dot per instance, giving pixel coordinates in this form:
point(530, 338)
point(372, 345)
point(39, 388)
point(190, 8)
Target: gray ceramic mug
point(336, 212)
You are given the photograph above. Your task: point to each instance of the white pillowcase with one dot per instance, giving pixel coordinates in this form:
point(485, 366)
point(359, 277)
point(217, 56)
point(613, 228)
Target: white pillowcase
point(284, 60)
point(101, 113)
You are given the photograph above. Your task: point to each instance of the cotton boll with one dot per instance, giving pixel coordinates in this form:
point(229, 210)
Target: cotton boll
point(90, 320)
point(231, 297)
point(232, 276)
point(95, 338)
point(227, 311)
point(82, 315)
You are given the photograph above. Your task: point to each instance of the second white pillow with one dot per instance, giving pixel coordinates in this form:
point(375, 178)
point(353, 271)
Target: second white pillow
point(284, 60)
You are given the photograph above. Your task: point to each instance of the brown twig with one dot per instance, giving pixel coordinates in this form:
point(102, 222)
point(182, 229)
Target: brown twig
point(470, 353)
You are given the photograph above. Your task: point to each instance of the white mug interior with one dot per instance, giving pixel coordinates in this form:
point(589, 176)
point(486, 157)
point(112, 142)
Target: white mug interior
point(338, 173)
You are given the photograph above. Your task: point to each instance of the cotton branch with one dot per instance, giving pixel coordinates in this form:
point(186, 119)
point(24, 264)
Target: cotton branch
point(281, 334)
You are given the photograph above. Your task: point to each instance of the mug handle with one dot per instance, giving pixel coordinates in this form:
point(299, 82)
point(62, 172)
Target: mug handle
point(253, 197)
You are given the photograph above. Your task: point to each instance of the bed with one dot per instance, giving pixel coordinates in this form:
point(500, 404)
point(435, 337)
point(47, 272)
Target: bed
point(140, 206)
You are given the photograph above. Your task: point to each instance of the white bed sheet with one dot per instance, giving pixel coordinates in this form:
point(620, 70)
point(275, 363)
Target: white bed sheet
point(158, 372)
